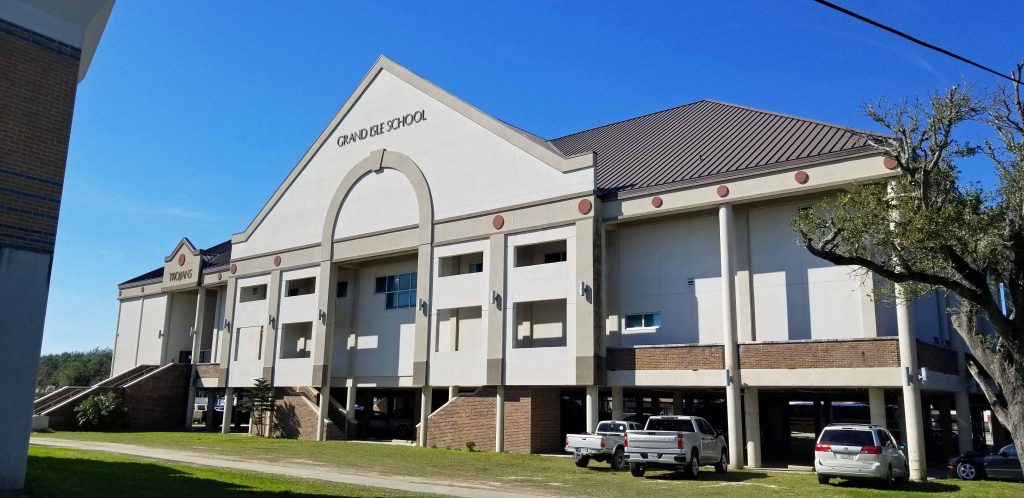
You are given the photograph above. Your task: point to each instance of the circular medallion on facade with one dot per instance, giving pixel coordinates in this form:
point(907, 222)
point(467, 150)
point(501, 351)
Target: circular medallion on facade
point(890, 163)
point(498, 222)
point(220, 275)
point(801, 177)
point(277, 260)
point(585, 206)
point(723, 191)
point(119, 293)
point(233, 268)
point(656, 201)
point(181, 260)
point(142, 290)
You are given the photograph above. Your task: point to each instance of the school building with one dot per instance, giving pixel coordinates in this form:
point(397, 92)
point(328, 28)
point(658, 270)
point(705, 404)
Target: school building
point(431, 272)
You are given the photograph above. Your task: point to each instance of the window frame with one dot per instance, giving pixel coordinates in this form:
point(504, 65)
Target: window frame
point(390, 303)
point(643, 320)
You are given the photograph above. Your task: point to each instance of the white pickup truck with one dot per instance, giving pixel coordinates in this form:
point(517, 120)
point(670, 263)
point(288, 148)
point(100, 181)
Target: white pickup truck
point(605, 444)
point(675, 442)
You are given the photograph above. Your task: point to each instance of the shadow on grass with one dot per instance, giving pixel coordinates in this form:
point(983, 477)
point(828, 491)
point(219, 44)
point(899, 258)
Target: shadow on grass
point(907, 487)
point(52, 476)
point(730, 476)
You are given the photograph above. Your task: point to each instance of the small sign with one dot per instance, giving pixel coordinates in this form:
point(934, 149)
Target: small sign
point(383, 127)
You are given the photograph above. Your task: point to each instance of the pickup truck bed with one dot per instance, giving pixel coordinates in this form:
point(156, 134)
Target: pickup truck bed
point(675, 442)
point(605, 445)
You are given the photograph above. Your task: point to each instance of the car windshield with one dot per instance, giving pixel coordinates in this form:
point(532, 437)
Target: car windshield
point(611, 427)
point(670, 424)
point(847, 437)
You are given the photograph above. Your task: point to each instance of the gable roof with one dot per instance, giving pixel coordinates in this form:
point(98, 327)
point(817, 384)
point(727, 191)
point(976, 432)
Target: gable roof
point(212, 259)
point(529, 143)
point(702, 140)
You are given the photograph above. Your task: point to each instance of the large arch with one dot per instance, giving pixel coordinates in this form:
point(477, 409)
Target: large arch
point(376, 161)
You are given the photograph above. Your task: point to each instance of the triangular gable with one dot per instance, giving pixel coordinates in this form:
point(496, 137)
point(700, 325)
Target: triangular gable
point(187, 244)
point(518, 138)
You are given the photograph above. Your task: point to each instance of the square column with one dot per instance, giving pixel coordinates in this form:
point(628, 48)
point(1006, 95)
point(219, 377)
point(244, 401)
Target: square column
point(752, 416)
point(876, 403)
point(425, 404)
point(322, 413)
point(965, 436)
point(229, 409)
point(499, 419)
point(592, 408)
point(729, 339)
point(617, 407)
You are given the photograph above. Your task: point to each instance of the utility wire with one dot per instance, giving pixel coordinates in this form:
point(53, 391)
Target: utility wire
point(915, 40)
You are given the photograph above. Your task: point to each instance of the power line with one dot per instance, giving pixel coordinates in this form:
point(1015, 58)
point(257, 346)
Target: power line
point(915, 40)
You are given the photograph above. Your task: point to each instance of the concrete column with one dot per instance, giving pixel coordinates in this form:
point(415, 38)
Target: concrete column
point(425, 402)
point(617, 407)
point(876, 403)
point(678, 403)
point(499, 420)
point(229, 409)
point(323, 412)
point(197, 344)
point(732, 363)
point(592, 408)
point(911, 389)
point(453, 392)
point(752, 417)
point(963, 421)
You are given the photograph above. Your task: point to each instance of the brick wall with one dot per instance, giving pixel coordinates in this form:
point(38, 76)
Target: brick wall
point(159, 401)
point(293, 416)
point(532, 421)
point(156, 402)
point(853, 353)
point(38, 79)
point(208, 370)
point(937, 358)
point(686, 357)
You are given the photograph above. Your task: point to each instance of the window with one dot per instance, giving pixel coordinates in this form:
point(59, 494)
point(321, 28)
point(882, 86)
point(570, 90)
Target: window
point(460, 264)
point(297, 340)
point(670, 424)
point(705, 427)
point(343, 289)
point(541, 254)
point(252, 293)
point(399, 290)
point(301, 286)
point(643, 321)
point(847, 437)
point(554, 257)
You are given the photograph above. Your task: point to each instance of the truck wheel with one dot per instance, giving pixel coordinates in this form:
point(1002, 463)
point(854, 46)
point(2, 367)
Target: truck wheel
point(723, 463)
point(692, 469)
point(637, 469)
point(618, 459)
point(580, 460)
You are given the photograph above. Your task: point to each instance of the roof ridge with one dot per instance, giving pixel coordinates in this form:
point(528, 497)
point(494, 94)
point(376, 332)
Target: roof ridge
point(791, 116)
point(630, 119)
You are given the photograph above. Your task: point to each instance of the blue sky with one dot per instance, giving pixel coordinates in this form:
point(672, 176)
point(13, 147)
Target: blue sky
point(194, 112)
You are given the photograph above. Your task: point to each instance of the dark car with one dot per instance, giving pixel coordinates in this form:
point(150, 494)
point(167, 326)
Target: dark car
point(1004, 464)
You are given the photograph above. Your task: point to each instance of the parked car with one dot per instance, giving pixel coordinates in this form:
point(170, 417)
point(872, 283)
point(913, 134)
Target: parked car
point(1003, 464)
point(604, 445)
point(675, 442)
point(859, 451)
point(398, 425)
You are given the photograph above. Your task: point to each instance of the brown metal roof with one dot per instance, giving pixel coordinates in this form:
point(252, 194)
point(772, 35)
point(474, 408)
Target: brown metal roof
point(702, 140)
point(215, 258)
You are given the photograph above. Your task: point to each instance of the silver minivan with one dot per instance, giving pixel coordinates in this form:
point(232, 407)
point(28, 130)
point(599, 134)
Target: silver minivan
point(859, 450)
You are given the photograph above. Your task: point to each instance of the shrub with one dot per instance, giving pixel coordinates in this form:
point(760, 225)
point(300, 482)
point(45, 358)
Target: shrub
point(101, 412)
point(470, 446)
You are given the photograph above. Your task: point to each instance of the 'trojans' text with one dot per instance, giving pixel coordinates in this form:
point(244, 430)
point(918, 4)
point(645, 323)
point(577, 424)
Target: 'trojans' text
point(382, 128)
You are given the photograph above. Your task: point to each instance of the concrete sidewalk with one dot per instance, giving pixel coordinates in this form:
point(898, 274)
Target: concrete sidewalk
point(310, 471)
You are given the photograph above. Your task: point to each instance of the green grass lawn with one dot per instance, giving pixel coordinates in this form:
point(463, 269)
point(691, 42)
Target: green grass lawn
point(60, 472)
point(544, 474)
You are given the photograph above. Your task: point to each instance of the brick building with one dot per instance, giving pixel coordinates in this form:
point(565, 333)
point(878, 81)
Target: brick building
point(427, 265)
point(45, 49)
